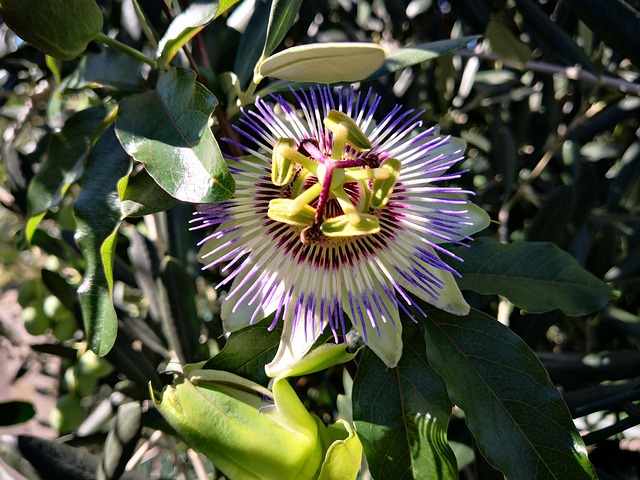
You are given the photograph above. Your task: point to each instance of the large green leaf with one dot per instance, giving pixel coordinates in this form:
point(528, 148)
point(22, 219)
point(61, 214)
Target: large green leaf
point(409, 56)
point(97, 210)
point(535, 276)
point(187, 25)
point(68, 150)
point(516, 414)
point(401, 415)
point(247, 351)
point(168, 131)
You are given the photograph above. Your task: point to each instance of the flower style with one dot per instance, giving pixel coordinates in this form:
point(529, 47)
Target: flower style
point(335, 213)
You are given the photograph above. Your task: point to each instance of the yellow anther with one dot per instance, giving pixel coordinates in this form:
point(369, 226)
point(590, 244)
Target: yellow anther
point(383, 188)
point(341, 226)
point(345, 131)
point(282, 167)
point(280, 212)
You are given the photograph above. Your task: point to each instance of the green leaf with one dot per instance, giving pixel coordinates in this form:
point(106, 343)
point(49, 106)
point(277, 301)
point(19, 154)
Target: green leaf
point(614, 21)
point(247, 351)
point(141, 196)
point(121, 441)
point(504, 42)
point(281, 17)
point(180, 320)
point(187, 25)
point(252, 42)
point(516, 414)
point(97, 211)
point(14, 412)
point(68, 150)
point(535, 276)
point(168, 131)
point(401, 415)
point(324, 63)
point(60, 28)
point(409, 56)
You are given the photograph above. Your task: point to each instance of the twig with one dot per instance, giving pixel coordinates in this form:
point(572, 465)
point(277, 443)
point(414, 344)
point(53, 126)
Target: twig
point(572, 73)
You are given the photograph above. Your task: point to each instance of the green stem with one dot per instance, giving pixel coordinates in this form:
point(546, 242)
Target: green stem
point(126, 49)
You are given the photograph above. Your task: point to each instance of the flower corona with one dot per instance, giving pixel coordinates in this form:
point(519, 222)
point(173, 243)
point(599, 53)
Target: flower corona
point(336, 214)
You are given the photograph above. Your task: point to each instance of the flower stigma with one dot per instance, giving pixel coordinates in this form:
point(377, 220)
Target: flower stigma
point(316, 179)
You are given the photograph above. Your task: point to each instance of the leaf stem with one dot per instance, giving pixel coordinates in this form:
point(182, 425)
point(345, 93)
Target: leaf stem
point(126, 49)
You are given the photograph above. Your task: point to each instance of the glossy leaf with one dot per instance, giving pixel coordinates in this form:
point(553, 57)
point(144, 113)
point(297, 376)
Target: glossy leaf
point(401, 415)
point(141, 196)
point(60, 28)
point(414, 55)
point(324, 63)
point(97, 211)
point(247, 351)
point(68, 150)
point(187, 25)
point(168, 131)
point(516, 414)
point(535, 276)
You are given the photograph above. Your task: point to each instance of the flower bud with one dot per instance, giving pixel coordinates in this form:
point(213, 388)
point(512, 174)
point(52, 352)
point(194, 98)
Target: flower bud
point(246, 430)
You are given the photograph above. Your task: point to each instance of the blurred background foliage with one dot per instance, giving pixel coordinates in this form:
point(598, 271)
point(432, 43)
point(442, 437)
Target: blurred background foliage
point(548, 103)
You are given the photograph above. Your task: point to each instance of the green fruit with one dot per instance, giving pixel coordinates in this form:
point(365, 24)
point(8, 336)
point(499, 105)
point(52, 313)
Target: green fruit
point(60, 28)
point(30, 291)
point(64, 327)
point(35, 321)
point(51, 306)
point(68, 414)
point(79, 383)
point(93, 365)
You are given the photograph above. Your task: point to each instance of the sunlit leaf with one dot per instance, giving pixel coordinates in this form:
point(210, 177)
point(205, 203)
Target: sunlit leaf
point(247, 351)
point(516, 414)
point(281, 18)
point(168, 131)
point(187, 25)
point(142, 196)
point(97, 210)
point(401, 415)
point(324, 62)
point(535, 276)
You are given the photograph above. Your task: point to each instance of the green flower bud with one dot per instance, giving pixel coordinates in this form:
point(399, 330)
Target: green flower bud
point(246, 430)
point(60, 28)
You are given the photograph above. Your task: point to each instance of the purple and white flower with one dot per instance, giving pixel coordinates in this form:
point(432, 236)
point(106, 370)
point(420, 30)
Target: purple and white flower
point(337, 218)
